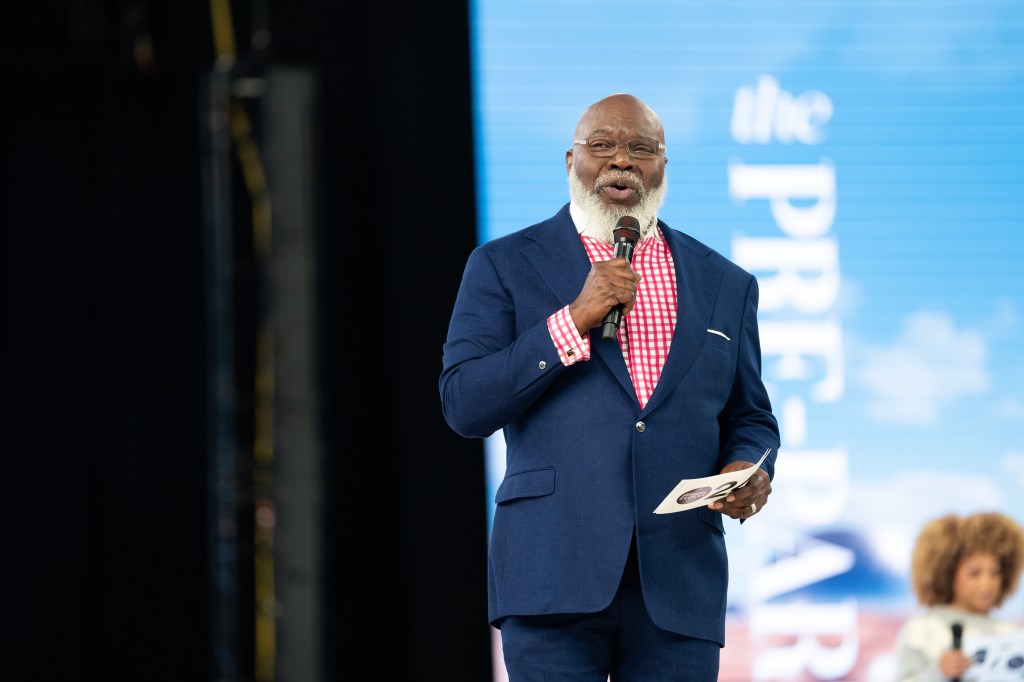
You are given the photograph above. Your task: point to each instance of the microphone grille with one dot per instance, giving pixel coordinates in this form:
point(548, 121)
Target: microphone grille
point(627, 228)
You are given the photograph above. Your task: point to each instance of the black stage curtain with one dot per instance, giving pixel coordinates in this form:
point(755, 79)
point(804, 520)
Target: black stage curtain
point(105, 569)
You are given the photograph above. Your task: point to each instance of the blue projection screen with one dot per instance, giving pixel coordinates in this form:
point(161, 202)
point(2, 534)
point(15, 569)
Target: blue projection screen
point(864, 160)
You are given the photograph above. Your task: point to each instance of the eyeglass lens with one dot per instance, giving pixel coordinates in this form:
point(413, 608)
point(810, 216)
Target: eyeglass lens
point(607, 146)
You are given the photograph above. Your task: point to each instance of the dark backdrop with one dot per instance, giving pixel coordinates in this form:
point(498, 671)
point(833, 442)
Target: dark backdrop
point(105, 562)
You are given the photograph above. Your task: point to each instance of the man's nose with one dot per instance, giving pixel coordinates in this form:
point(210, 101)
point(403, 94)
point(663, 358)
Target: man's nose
point(621, 160)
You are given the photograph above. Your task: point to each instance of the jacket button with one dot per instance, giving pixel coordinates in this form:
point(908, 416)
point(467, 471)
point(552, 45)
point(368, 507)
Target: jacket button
point(541, 364)
point(641, 427)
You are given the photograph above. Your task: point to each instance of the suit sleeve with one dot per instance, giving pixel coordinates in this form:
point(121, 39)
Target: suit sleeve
point(491, 371)
point(747, 422)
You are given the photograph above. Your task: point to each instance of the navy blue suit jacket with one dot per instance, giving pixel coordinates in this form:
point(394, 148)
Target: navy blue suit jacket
point(585, 466)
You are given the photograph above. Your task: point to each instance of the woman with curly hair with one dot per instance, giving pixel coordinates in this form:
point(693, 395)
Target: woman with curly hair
point(961, 569)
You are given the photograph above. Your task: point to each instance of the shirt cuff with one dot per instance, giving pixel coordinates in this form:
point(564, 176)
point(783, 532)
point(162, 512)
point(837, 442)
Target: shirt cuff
point(572, 347)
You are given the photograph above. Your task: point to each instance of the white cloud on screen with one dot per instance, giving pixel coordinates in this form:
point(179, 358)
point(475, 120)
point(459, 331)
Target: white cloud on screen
point(1007, 317)
point(1011, 408)
point(893, 510)
point(1012, 465)
point(929, 366)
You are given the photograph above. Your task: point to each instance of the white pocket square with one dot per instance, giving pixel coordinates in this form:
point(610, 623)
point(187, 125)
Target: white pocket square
point(715, 331)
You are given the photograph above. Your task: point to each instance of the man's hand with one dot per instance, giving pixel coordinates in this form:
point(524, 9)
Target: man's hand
point(608, 284)
point(747, 500)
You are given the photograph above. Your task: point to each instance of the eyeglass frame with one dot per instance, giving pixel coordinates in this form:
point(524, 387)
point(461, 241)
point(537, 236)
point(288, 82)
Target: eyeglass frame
point(618, 144)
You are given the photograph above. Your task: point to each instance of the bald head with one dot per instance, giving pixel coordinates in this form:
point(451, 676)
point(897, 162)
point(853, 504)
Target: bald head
point(622, 111)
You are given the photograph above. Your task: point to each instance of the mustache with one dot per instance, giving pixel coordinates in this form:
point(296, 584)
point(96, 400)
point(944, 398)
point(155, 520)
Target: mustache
point(620, 177)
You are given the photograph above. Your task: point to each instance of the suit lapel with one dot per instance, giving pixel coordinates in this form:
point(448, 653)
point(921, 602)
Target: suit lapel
point(562, 263)
point(698, 282)
point(558, 256)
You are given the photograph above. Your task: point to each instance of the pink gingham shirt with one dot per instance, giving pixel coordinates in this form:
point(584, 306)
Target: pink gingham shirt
point(646, 332)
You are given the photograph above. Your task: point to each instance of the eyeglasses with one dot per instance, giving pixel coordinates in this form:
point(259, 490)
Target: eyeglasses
point(639, 148)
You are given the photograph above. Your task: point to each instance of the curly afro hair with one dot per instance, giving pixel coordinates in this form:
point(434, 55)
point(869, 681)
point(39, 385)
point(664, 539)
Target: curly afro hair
point(944, 541)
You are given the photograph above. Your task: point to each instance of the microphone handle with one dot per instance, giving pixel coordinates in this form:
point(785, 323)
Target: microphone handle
point(958, 631)
point(623, 249)
point(609, 327)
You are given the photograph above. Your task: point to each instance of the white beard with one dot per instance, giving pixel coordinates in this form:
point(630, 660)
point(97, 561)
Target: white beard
point(604, 217)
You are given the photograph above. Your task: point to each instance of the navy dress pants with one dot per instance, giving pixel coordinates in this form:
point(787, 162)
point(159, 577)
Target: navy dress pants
point(620, 643)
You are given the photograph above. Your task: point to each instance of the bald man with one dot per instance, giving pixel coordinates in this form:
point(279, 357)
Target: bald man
point(585, 582)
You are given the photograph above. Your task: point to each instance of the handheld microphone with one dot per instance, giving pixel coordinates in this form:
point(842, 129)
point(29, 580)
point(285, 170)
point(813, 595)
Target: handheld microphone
point(958, 633)
point(626, 235)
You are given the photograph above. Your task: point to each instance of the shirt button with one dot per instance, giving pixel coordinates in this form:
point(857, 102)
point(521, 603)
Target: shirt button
point(641, 427)
point(541, 364)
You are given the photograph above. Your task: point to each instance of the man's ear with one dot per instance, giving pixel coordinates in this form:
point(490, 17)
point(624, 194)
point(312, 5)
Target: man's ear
point(568, 161)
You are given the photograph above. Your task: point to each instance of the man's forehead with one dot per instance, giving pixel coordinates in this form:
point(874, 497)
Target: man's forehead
point(642, 128)
point(613, 117)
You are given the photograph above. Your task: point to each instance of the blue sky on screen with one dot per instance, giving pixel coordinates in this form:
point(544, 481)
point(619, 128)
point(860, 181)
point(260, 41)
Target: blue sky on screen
point(920, 119)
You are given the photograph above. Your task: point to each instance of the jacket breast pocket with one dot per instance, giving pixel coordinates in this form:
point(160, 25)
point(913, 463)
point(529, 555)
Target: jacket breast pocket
point(529, 483)
point(718, 342)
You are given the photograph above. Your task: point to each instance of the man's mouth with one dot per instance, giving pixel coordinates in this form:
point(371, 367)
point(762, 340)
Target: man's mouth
point(618, 191)
point(618, 188)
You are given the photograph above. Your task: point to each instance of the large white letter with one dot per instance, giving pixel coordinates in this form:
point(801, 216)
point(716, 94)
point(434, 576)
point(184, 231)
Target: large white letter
point(781, 184)
point(790, 258)
point(808, 622)
point(793, 341)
